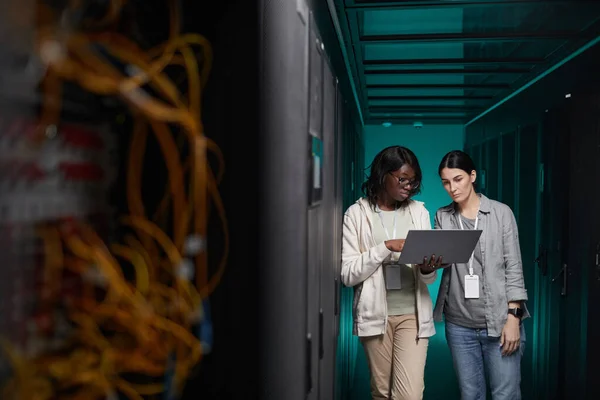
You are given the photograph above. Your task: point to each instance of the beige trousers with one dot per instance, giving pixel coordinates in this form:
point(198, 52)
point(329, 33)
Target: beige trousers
point(397, 360)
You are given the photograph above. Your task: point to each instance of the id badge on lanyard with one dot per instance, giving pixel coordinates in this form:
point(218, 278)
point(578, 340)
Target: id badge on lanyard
point(393, 275)
point(392, 269)
point(471, 280)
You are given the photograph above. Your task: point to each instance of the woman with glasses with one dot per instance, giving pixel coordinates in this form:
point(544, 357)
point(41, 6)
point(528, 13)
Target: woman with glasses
point(392, 306)
point(483, 301)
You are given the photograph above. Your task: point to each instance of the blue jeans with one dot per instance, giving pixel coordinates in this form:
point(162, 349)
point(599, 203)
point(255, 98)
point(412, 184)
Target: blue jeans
point(474, 354)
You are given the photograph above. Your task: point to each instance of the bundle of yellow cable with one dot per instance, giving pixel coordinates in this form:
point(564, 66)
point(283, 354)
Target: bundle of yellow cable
point(125, 332)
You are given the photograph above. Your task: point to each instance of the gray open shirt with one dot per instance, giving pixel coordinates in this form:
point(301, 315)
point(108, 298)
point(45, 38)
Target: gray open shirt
point(502, 264)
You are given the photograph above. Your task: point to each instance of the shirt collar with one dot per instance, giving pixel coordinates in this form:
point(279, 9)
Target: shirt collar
point(484, 205)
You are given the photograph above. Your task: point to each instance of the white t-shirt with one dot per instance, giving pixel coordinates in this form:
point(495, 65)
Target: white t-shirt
point(402, 301)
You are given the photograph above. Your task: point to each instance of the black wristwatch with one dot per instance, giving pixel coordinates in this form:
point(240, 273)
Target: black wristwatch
point(516, 311)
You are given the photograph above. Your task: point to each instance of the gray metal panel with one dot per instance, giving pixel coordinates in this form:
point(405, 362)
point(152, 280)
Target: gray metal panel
point(315, 262)
point(283, 202)
point(315, 214)
point(316, 81)
point(339, 197)
point(329, 267)
point(337, 223)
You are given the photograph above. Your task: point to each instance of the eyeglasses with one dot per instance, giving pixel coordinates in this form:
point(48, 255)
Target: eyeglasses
point(404, 182)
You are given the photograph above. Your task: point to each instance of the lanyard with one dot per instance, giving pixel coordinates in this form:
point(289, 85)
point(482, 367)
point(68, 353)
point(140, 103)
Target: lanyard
point(475, 228)
point(387, 234)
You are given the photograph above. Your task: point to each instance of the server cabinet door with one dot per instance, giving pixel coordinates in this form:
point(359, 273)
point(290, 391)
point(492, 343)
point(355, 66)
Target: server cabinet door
point(316, 205)
point(284, 195)
point(327, 338)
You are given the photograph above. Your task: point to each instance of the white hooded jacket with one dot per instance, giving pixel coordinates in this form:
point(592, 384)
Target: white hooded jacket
point(361, 269)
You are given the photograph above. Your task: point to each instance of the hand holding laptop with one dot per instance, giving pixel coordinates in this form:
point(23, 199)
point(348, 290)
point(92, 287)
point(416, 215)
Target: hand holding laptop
point(431, 264)
point(428, 265)
point(396, 245)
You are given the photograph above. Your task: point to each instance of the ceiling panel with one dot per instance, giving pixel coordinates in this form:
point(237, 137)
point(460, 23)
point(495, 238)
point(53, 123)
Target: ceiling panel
point(453, 50)
point(498, 17)
point(429, 101)
point(439, 79)
point(431, 91)
point(416, 57)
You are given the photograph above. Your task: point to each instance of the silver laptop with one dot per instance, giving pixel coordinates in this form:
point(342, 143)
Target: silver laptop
point(455, 246)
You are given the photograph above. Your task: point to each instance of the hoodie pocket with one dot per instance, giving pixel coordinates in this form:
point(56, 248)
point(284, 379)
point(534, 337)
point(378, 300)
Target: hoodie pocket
point(366, 308)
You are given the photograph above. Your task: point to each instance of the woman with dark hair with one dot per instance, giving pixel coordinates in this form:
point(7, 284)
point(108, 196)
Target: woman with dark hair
point(392, 306)
point(483, 301)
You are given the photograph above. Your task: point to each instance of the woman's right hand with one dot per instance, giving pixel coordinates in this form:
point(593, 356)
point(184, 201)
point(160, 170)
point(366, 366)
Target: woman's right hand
point(395, 245)
point(431, 264)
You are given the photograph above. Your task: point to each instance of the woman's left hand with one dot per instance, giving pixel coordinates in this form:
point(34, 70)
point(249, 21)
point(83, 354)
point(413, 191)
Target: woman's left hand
point(511, 336)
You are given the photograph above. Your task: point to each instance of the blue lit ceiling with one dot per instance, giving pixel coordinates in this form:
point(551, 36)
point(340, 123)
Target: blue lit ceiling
point(447, 61)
